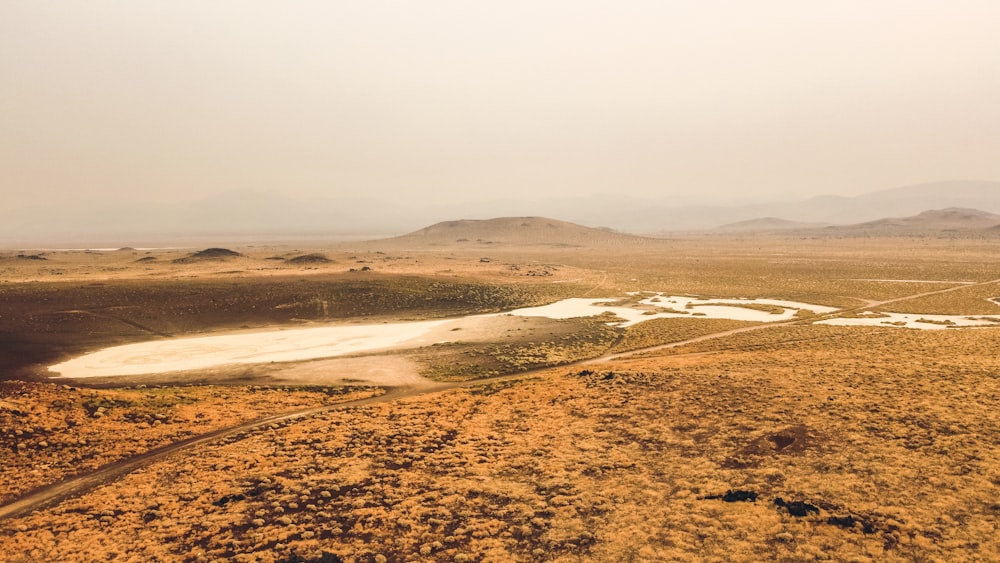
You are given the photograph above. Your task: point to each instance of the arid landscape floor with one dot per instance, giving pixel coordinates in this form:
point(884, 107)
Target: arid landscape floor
point(511, 438)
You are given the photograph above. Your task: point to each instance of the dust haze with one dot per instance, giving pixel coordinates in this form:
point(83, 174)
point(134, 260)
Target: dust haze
point(711, 103)
point(448, 281)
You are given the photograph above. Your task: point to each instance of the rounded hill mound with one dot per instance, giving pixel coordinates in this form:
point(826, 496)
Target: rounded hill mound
point(314, 258)
point(208, 254)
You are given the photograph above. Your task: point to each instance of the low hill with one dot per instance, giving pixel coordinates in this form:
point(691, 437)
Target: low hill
point(766, 224)
point(538, 231)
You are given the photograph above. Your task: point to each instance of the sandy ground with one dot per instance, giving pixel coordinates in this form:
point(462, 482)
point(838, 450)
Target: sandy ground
point(248, 347)
point(381, 371)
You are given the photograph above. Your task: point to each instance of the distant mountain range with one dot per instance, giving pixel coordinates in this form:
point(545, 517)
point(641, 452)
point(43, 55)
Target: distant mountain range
point(767, 224)
point(248, 214)
point(840, 210)
point(953, 220)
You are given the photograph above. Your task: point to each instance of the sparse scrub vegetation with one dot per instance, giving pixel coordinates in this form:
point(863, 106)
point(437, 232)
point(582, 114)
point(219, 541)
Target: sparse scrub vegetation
point(789, 443)
point(771, 309)
point(664, 331)
point(966, 301)
point(568, 341)
point(576, 465)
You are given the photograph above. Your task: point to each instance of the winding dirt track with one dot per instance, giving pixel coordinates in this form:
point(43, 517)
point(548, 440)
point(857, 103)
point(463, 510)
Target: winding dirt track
point(57, 492)
point(80, 484)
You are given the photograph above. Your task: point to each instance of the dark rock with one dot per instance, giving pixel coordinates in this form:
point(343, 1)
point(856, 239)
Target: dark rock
point(842, 521)
point(740, 496)
point(796, 507)
point(329, 557)
point(736, 496)
point(229, 498)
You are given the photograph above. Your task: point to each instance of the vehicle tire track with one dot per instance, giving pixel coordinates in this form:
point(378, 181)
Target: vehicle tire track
point(132, 324)
point(600, 284)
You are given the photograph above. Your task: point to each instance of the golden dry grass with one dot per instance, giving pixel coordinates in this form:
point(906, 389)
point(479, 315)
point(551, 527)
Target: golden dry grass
point(611, 465)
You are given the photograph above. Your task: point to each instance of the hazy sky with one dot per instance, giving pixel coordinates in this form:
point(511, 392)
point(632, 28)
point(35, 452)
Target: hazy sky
point(481, 100)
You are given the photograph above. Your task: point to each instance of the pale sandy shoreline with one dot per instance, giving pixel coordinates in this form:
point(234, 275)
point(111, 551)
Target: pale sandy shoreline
point(286, 345)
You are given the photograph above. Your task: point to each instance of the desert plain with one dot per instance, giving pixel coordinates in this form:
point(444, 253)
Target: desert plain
point(502, 437)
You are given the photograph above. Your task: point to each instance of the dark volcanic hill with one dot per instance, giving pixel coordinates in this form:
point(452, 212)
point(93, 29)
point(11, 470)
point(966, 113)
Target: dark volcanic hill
point(208, 254)
point(513, 231)
point(314, 258)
